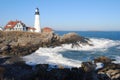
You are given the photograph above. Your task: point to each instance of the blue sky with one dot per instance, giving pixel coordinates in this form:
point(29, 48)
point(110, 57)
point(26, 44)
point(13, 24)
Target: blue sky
point(80, 15)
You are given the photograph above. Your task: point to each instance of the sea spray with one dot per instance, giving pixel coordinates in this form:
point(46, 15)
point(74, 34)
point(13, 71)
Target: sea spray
point(48, 56)
point(54, 57)
point(98, 44)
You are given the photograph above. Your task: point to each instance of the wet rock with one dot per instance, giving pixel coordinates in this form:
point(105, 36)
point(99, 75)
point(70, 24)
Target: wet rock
point(77, 74)
point(113, 74)
point(58, 74)
point(111, 70)
point(3, 60)
point(88, 66)
point(13, 59)
point(2, 71)
point(103, 59)
point(116, 77)
point(74, 39)
point(18, 71)
point(103, 76)
point(41, 67)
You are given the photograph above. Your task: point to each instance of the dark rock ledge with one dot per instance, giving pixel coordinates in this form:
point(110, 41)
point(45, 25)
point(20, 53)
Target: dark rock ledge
point(14, 68)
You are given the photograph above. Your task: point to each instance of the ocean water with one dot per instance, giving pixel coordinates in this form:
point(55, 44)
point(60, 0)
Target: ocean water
point(105, 44)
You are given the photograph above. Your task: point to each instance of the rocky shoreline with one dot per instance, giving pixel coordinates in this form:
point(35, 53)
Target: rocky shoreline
point(23, 43)
point(14, 45)
point(12, 68)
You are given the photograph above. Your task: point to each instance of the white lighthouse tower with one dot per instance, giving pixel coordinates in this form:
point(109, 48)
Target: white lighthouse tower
point(37, 21)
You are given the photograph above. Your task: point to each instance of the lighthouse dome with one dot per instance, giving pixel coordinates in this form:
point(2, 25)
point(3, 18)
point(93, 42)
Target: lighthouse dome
point(37, 10)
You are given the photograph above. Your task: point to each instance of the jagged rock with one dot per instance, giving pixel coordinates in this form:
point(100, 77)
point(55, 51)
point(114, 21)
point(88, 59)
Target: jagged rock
point(103, 59)
point(116, 71)
point(110, 70)
point(73, 37)
point(88, 66)
point(18, 70)
point(113, 74)
point(103, 76)
point(23, 43)
point(116, 77)
point(75, 40)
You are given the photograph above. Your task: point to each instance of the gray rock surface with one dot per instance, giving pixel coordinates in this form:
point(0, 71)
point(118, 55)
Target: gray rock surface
point(24, 43)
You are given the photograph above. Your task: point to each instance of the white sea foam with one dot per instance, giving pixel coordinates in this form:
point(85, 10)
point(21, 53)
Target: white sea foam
point(117, 58)
point(98, 44)
point(52, 55)
point(99, 65)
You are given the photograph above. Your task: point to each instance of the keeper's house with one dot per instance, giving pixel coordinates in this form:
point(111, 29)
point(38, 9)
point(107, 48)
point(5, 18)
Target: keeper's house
point(18, 26)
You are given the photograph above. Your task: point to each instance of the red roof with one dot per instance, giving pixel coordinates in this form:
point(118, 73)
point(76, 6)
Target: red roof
point(47, 29)
point(11, 24)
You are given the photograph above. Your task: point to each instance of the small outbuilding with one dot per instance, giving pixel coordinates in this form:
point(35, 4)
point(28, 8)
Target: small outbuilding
point(47, 30)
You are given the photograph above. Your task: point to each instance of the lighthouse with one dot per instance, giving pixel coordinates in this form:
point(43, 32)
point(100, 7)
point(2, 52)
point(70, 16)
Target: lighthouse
point(37, 21)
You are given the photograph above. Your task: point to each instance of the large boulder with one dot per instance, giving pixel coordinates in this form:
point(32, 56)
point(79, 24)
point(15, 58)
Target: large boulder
point(75, 40)
point(103, 59)
point(110, 71)
point(89, 69)
point(88, 66)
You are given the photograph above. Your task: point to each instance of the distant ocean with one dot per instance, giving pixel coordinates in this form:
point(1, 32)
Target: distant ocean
point(106, 43)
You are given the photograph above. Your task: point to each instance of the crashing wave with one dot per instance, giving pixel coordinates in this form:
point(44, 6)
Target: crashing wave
point(98, 44)
point(52, 55)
